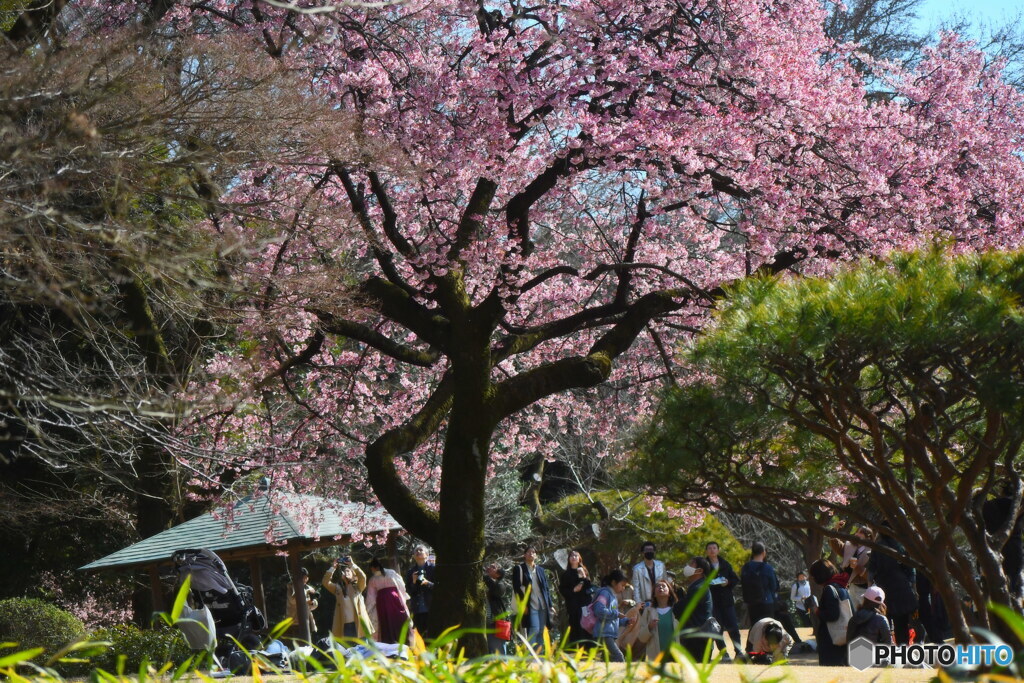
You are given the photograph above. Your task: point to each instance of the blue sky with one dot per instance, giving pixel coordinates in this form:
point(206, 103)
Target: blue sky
point(932, 12)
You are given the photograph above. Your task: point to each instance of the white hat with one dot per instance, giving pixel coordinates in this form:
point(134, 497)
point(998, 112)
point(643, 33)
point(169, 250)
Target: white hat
point(875, 594)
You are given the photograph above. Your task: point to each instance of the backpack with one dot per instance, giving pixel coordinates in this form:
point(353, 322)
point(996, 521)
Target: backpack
point(753, 591)
point(837, 629)
point(588, 617)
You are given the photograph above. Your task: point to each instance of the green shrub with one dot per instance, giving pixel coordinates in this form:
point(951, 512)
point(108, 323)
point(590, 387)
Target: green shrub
point(159, 646)
point(619, 542)
point(33, 623)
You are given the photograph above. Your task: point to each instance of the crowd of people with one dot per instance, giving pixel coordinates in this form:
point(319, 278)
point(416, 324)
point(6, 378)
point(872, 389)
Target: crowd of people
point(377, 606)
point(868, 595)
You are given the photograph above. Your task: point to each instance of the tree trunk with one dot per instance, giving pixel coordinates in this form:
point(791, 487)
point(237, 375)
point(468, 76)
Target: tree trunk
point(459, 593)
point(996, 589)
point(943, 584)
point(811, 546)
point(152, 507)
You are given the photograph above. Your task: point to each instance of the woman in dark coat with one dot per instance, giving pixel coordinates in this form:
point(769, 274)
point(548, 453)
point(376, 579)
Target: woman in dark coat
point(825, 574)
point(897, 580)
point(575, 587)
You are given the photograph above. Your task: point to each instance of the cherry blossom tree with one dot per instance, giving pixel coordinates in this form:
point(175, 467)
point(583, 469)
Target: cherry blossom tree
point(543, 198)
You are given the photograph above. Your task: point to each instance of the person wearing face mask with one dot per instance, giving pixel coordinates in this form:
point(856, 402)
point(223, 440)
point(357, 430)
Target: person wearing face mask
point(645, 573)
point(700, 621)
point(799, 592)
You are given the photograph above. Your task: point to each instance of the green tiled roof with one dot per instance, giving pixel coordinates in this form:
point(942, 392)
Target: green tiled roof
point(255, 522)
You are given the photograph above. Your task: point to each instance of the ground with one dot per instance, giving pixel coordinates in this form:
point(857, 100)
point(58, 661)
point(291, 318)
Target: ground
point(804, 669)
point(817, 674)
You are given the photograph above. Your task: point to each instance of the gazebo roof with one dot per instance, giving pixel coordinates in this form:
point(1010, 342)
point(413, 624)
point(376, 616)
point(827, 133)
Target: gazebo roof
point(260, 525)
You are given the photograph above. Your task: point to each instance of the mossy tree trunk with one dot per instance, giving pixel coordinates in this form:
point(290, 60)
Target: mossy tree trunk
point(474, 404)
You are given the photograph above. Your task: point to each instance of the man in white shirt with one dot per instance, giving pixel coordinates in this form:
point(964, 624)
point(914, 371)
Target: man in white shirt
point(646, 573)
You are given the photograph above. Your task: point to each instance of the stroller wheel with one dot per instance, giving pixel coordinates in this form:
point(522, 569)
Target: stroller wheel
point(238, 663)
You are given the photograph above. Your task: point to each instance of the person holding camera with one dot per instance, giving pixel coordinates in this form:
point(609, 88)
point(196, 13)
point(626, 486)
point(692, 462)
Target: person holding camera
point(419, 581)
point(497, 607)
point(351, 619)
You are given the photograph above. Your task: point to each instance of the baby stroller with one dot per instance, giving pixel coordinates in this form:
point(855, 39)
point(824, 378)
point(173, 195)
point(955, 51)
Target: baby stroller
point(214, 600)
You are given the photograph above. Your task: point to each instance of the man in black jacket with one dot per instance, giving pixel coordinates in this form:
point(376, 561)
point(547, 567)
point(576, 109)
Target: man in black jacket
point(419, 583)
point(724, 604)
point(760, 585)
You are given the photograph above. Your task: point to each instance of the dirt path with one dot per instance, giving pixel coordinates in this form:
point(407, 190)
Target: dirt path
point(816, 674)
point(805, 669)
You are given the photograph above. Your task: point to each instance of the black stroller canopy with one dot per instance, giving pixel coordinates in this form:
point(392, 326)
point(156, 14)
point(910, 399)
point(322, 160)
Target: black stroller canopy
point(207, 571)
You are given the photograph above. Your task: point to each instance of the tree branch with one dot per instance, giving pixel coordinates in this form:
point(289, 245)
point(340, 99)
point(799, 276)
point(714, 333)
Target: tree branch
point(313, 346)
point(385, 259)
point(397, 305)
point(400, 352)
point(517, 211)
point(528, 387)
point(393, 493)
point(473, 216)
point(390, 225)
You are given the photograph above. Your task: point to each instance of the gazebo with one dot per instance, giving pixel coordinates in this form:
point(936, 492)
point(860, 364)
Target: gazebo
point(258, 526)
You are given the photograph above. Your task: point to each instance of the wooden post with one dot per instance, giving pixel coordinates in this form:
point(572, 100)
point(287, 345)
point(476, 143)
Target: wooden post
point(157, 588)
point(301, 608)
point(256, 575)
